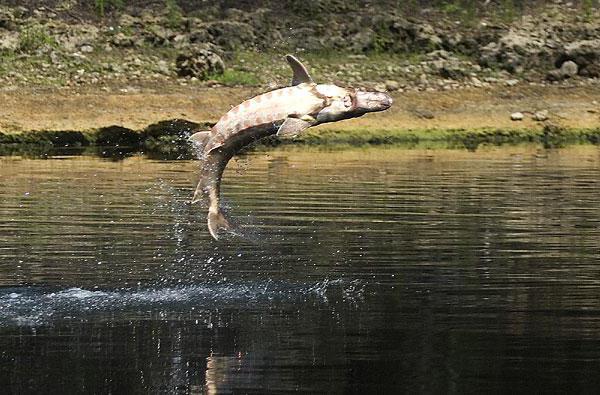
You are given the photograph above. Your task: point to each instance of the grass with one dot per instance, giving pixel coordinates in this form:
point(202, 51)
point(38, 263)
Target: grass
point(6, 60)
point(464, 10)
point(588, 7)
point(34, 38)
point(103, 5)
point(174, 14)
point(232, 77)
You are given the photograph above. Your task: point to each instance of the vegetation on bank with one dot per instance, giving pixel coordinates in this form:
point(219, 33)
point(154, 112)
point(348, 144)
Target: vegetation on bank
point(417, 44)
point(466, 10)
point(169, 139)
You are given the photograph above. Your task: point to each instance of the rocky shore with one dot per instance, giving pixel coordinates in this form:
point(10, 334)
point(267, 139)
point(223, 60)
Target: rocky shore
point(57, 49)
point(64, 43)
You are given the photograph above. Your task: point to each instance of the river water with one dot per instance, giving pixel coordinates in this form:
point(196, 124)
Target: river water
point(375, 270)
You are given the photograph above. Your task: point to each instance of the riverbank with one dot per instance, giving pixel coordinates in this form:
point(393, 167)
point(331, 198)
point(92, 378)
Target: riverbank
point(136, 107)
point(148, 116)
point(131, 74)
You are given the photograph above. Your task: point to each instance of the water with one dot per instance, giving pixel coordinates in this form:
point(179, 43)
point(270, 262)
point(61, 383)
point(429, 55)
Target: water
point(378, 270)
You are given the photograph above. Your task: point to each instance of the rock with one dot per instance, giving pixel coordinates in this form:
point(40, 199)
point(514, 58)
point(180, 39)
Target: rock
point(591, 71)
point(199, 35)
point(86, 48)
point(9, 41)
point(157, 35)
point(440, 54)
point(541, 115)
point(426, 37)
point(358, 57)
point(126, 20)
point(511, 82)
point(311, 43)
point(517, 116)
point(121, 40)
point(476, 82)
point(55, 58)
point(554, 75)
point(392, 85)
point(73, 37)
point(363, 40)
point(379, 88)
point(389, 33)
point(569, 69)
point(199, 63)
point(584, 53)
point(7, 20)
point(163, 67)
point(180, 41)
point(232, 35)
point(516, 51)
point(452, 71)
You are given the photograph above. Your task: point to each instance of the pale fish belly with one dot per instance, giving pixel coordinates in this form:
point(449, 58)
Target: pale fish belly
point(269, 107)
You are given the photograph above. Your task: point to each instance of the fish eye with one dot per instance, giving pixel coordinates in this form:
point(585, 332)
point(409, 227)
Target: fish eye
point(347, 101)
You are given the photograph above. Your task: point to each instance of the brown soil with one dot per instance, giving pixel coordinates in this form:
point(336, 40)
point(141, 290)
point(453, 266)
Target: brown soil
point(87, 109)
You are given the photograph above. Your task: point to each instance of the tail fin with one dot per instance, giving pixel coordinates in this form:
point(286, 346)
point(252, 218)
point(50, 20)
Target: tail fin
point(199, 141)
point(216, 222)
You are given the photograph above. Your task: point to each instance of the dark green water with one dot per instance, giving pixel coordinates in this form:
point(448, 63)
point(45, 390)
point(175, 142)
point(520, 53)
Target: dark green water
point(368, 271)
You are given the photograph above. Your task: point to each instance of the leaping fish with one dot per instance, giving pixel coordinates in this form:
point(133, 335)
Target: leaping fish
point(286, 112)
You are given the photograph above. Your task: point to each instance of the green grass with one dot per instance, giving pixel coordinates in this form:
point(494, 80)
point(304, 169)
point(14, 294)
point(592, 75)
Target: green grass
point(174, 14)
point(7, 59)
point(34, 38)
point(231, 77)
point(103, 5)
point(588, 8)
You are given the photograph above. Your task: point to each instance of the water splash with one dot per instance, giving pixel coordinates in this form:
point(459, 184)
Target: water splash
point(35, 306)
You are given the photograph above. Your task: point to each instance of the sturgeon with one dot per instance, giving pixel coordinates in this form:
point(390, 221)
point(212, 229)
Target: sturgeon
point(286, 112)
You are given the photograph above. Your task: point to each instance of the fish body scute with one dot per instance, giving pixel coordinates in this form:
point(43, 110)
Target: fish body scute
point(270, 107)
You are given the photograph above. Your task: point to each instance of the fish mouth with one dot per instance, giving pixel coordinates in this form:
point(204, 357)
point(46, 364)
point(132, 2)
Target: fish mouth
point(373, 101)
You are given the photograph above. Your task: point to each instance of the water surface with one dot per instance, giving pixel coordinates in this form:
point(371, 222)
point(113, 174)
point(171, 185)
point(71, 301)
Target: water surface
point(363, 270)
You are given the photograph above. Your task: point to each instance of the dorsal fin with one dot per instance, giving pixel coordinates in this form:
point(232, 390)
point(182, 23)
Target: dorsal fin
point(300, 73)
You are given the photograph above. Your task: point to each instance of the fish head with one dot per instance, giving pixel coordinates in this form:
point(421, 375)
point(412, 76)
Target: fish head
point(343, 103)
point(365, 101)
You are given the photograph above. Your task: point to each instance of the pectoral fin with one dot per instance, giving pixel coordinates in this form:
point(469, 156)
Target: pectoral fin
point(291, 127)
point(300, 74)
point(199, 141)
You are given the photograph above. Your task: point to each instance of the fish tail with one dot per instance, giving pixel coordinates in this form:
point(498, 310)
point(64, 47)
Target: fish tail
point(217, 222)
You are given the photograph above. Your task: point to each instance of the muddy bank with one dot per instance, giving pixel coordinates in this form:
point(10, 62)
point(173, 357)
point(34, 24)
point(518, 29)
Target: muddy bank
point(144, 118)
point(86, 109)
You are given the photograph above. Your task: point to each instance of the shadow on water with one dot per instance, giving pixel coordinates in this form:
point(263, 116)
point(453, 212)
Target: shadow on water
point(367, 270)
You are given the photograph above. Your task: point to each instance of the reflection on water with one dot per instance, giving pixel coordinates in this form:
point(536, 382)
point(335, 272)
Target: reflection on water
point(364, 270)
